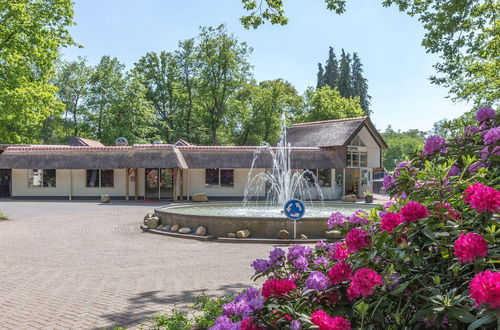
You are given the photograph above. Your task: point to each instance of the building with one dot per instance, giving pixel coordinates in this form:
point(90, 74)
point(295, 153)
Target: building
point(342, 153)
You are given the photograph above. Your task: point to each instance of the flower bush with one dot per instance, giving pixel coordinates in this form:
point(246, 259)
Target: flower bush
point(427, 259)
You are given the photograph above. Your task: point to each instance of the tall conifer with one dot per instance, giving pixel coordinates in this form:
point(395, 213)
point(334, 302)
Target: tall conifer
point(331, 70)
point(344, 84)
point(320, 78)
point(360, 84)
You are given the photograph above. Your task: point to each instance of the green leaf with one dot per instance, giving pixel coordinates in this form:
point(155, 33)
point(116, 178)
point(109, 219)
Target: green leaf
point(399, 289)
point(482, 321)
point(461, 314)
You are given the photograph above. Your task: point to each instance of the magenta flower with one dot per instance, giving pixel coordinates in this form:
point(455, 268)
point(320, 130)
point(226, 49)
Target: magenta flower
point(363, 283)
point(435, 144)
point(470, 246)
point(414, 211)
point(340, 251)
point(485, 289)
point(482, 198)
point(356, 239)
point(390, 221)
point(340, 272)
point(325, 322)
point(277, 288)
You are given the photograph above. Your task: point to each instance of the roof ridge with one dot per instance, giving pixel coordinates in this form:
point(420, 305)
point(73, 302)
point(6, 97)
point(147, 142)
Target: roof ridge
point(328, 121)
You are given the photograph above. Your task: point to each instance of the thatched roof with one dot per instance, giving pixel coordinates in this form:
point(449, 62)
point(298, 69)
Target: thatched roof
point(84, 142)
point(331, 133)
point(153, 156)
point(243, 157)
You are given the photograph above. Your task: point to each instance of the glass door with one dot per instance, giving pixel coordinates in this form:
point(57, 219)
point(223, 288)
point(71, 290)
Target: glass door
point(365, 180)
point(152, 184)
point(166, 183)
point(159, 183)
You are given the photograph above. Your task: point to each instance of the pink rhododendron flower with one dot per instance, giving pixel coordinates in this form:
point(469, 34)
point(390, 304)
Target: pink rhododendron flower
point(326, 322)
point(363, 283)
point(340, 272)
point(433, 144)
point(390, 221)
point(277, 288)
point(413, 211)
point(336, 219)
point(470, 246)
point(356, 239)
point(340, 252)
point(485, 289)
point(247, 324)
point(482, 198)
point(492, 135)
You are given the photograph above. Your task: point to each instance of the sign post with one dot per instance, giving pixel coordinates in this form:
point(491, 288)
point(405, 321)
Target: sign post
point(294, 210)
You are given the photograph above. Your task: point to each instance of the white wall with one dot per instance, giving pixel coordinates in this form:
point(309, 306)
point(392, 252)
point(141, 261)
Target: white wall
point(373, 148)
point(21, 188)
point(197, 183)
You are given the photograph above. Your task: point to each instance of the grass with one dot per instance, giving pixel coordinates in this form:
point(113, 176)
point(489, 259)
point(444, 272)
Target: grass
point(3, 216)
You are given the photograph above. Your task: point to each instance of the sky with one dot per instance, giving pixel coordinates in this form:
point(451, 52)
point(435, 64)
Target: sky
point(387, 41)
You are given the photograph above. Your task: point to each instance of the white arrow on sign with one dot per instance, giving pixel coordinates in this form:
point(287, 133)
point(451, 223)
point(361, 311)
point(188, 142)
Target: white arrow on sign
point(297, 205)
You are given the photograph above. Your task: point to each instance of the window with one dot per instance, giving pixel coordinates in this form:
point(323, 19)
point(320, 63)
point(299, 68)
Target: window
point(325, 177)
point(42, 178)
point(357, 153)
point(100, 178)
point(216, 177)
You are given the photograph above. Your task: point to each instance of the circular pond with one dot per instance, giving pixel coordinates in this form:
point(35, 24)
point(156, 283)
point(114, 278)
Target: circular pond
point(262, 221)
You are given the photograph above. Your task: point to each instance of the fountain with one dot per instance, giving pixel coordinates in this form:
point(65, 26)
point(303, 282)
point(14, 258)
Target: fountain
point(263, 218)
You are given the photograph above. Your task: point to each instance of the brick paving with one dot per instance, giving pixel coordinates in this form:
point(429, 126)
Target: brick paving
point(82, 265)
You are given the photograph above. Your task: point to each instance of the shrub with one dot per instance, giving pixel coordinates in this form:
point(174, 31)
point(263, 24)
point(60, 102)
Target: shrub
point(425, 260)
point(3, 216)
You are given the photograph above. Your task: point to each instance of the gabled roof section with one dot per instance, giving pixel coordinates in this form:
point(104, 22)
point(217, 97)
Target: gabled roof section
point(181, 142)
point(331, 133)
point(84, 142)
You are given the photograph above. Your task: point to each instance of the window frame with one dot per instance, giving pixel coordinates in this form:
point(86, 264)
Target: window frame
point(42, 185)
point(219, 178)
point(99, 178)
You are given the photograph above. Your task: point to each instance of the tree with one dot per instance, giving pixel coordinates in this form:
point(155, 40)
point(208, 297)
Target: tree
point(344, 83)
point(360, 84)
point(223, 68)
point(463, 33)
point(72, 81)
point(320, 77)
point(401, 145)
point(331, 77)
point(326, 103)
point(106, 85)
point(267, 102)
point(31, 34)
point(160, 75)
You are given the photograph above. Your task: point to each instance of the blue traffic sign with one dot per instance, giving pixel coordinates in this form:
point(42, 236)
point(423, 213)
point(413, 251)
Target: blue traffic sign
point(294, 209)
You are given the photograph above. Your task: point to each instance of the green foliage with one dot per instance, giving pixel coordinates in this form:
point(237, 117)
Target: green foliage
point(211, 308)
point(3, 216)
point(325, 103)
point(174, 320)
point(31, 34)
point(465, 34)
point(401, 146)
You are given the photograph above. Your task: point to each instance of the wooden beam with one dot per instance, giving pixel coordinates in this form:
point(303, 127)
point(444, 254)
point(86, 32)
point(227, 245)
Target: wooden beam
point(127, 183)
point(136, 184)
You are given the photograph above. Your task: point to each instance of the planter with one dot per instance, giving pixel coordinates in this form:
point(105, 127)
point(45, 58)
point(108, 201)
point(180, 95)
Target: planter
point(368, 199)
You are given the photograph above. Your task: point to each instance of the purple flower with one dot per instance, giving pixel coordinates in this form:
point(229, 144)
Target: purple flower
point(336, 219)
point(295, 325)
point(298, 250)
point(484, 114)
point(241, 308)
point(320, 245)
point(260, 265)
point(476, 166)
point(224, 323)
point(359, 217)
point(470, 130)
point(276, 256)
point(317, 281)
point(435, 143)
point(395, 281)
point(245, 303)
point(453, 171)
point(388, 204)
point(301, 263)
point(492, 135)
point(389, 181)
point(403, 195)
point(321, 261)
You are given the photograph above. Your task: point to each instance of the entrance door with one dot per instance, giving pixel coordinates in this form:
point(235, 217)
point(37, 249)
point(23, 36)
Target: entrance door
point(5, 179)
point(365, 181)
point(159, 183)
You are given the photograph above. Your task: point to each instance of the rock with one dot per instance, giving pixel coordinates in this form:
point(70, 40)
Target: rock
point(200, 231)
point(148, 215)
point(303, 236)
point(283, 234)
point(105, 198)
point(243, 233)
point(160, 227)
point(184, 230)
point(174, 228)
point(200, 197)
point(349, 198)
point(333, 234)
point(152, 222)
point(166, 228)
point(231, 235)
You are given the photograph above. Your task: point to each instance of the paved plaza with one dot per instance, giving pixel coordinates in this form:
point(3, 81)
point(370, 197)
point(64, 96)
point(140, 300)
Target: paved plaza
point(85, 265)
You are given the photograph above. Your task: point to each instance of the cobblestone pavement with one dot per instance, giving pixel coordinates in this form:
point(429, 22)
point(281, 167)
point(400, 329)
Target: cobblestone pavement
point(83, 265)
